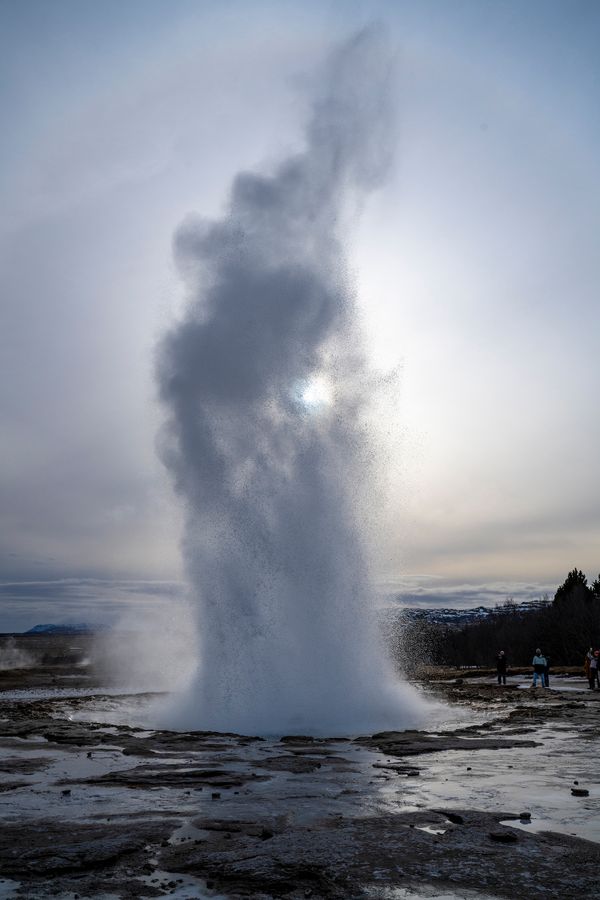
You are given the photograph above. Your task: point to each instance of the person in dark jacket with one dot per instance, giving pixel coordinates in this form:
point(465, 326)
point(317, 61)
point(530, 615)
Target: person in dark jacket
point(594, 670)
point(501, 667)
point(547, 672)
point(586, 666)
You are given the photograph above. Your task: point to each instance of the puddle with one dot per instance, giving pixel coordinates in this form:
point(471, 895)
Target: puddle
point(492, 780)
point(181, 887)
point(8, 888)
point(134, 711)
point(187, 832)
point(58, 693)
point(426, 892)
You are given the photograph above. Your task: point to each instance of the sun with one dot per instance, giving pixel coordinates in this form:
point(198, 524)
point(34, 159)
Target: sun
point(315, 393)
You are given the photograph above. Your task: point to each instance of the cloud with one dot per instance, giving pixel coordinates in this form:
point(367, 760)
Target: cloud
point(89, 600)
point(427, 591)
point(87, 275)
point(476, 268)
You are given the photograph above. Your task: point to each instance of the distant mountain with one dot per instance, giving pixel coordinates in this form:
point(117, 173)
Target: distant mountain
point(461, 617)
point(444, 615)
point(75, 628)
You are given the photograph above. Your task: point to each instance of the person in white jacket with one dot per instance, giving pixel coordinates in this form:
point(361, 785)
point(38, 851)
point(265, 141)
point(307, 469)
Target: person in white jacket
point(539, 667)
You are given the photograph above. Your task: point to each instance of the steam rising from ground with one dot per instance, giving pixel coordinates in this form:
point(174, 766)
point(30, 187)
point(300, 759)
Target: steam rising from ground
point(152, 652)
point(266, 389)
point(12, 657)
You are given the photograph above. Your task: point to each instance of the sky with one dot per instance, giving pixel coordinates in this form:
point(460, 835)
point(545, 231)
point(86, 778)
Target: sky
point(476, 271)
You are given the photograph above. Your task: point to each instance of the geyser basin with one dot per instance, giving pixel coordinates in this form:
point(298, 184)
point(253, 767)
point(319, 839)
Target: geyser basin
point(278, 502)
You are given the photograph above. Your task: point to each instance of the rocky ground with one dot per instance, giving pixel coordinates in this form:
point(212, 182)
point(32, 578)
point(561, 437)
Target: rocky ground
point(501, 800)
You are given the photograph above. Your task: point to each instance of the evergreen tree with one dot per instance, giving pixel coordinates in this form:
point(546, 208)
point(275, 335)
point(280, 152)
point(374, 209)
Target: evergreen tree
point(574, 587)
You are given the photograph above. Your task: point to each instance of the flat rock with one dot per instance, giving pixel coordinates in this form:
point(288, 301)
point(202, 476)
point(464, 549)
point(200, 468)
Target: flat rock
point(503, 837)
point(411, 743)
point(175, 776)
point(50, 847)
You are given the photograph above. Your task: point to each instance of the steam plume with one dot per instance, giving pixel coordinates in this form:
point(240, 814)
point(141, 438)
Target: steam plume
point(265, 384)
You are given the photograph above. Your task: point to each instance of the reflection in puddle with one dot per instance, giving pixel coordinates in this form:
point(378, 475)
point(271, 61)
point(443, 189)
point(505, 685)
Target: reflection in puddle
point(431, 829)
point(8, 888)
point(187, 832)
point(426, 892)
point(180, 887)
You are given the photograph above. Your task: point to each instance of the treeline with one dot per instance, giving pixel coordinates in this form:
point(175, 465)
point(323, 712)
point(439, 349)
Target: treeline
point(564, 628)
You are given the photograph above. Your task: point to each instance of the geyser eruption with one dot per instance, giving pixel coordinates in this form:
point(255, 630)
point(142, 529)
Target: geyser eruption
point(265, 386)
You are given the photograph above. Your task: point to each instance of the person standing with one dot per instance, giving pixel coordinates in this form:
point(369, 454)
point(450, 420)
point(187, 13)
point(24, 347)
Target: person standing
point(594, 670)
point(587, 668)
point(547, 672)
point(539, 664)
point(586, 663)
point(501, 667)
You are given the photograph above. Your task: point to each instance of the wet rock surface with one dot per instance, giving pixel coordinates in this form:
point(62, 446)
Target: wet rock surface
point(412, 743)
point(334, 856)
point(97, 809)
point(49, 847)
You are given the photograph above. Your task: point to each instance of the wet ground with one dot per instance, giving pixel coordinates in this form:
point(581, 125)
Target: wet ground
point(500, 797)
